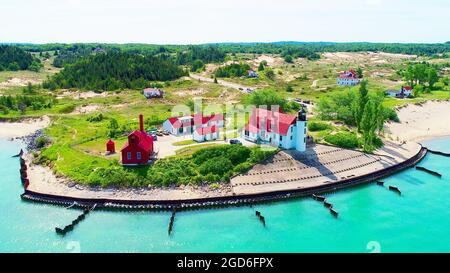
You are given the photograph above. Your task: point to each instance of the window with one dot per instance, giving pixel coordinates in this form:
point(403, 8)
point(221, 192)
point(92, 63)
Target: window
point(138, 155)
point(246, 133)
point(304, 140)
point(129, 155)
point(281, 138)
point(291, 137)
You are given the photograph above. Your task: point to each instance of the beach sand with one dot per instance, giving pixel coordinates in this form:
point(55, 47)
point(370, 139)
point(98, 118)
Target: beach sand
point(427, 120)
point(26, 127)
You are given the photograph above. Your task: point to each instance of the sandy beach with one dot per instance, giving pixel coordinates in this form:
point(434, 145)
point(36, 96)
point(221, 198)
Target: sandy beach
point(426, 120)
point(26, 127)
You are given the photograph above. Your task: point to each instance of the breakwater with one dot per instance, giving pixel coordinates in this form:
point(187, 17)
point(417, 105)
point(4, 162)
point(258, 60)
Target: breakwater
point(216, 202)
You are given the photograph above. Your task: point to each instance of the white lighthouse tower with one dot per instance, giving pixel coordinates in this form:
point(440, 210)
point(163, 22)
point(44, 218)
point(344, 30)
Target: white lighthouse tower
point(300, 142)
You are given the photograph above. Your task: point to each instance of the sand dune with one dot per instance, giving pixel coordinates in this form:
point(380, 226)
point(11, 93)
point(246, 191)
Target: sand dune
point(421, 121)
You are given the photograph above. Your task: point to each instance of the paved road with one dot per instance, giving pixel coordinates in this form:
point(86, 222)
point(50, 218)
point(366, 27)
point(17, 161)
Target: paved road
point(233, 85)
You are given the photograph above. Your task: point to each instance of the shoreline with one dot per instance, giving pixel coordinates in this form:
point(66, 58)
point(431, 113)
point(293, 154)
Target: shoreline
point(44, 181)
point(421, 121)
point(220, 201)
point(26, 127)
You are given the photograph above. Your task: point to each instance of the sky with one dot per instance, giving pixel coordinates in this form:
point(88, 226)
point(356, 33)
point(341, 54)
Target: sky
point(210, 21)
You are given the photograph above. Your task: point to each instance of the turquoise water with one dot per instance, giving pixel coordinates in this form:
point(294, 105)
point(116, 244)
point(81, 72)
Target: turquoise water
point(369, 216)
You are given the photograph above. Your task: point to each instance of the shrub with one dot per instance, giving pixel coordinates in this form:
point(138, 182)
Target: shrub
point(343, 140)
point(315, 126)
point(390, 114)
point(66, 109)
point(41, 142)
point(95, 118)
point(218, 166)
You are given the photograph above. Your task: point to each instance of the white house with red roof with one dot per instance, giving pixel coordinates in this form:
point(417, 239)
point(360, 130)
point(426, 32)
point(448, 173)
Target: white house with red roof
point(206, 133)
point(188, 124)
point(348, 78)
point(277, 129)
point(152, 93)
point(404, 92)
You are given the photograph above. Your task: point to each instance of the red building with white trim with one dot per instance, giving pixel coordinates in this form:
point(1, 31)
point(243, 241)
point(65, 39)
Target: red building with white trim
point(139, 148)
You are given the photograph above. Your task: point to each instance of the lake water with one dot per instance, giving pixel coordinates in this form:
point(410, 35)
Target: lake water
point(371, 218)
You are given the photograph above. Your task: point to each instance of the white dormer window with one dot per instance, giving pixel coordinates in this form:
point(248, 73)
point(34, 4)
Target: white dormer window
point(138, 155)
point(129, 155)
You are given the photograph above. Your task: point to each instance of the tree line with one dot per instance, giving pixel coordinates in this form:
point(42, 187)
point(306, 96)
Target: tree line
point(113, 71)
point(13, 58)
point(22, 103)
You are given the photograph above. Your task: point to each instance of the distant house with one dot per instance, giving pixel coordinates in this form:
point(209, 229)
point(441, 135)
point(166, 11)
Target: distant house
point(188, 124)
point(98, 50)
point(252, 74)
point(139, 148)
point(404, 92)
point(206, 133)
point(348, 78)
point(277, 129)
point(153, 93)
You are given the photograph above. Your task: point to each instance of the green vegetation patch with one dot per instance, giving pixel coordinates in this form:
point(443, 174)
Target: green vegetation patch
point(346, 140)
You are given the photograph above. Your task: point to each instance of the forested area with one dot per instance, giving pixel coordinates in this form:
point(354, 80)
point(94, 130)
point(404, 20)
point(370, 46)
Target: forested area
point(113, 71)
point(13, 58)
point(232, 70)
point(206, 54)
point(22, 103)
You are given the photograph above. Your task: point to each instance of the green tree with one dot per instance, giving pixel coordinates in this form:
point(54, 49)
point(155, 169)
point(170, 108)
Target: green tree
point(113, 128)
point(288, 59)
point(197, 65)
point(359, 71)
point(270, 74)
point(261, 67)
point(432, 77)
point(360, 103)
point(289, 88)
point(268, 97)
point(28, 89)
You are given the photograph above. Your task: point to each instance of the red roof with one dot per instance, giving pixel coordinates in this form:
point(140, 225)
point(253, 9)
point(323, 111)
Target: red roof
point(351, 74)
point(407, 87)
point(272, 121)
point(178, 122)
point(110, 142)
point(145, 140)
point(206, 130)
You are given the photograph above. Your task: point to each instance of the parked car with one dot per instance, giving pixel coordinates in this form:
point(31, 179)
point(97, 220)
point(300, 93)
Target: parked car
point(154, 135)
point(298, 100)
point(166, 133)
point(235, 142)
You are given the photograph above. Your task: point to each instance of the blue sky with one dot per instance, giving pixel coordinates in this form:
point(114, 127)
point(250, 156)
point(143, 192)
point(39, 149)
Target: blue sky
point(204, 21)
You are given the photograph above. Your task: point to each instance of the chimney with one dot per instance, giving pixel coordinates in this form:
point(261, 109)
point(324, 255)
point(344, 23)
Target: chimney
point(141, 122)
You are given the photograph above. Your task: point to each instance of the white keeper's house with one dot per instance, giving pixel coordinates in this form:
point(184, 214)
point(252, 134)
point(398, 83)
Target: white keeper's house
point(206, 133)
point(277, 129)
point(187, 125)
point(349, 78)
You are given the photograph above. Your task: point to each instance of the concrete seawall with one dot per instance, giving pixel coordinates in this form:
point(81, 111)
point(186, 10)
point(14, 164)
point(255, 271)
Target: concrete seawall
point(230, 200)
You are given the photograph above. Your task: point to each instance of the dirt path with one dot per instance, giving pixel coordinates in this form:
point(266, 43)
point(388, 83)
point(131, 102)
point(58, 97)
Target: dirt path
point(233, 85)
